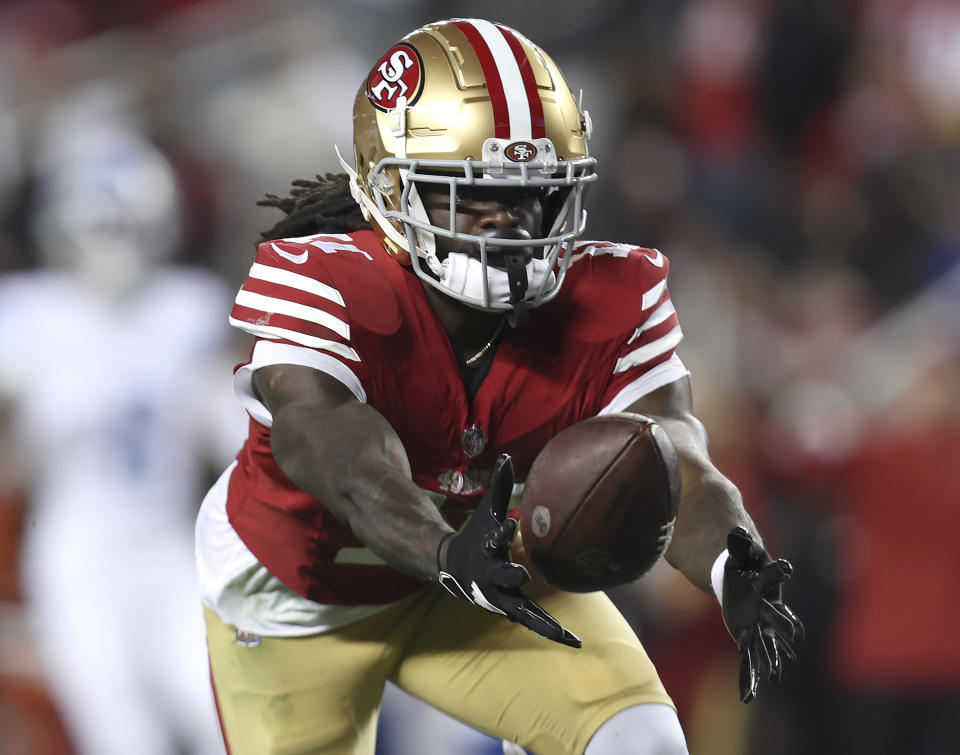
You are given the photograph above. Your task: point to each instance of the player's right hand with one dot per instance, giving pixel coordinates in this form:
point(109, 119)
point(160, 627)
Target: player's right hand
point(477, 565)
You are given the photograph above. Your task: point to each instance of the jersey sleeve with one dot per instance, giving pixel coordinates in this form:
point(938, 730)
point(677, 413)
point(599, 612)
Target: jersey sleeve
point(647, 358)
point(299, 316)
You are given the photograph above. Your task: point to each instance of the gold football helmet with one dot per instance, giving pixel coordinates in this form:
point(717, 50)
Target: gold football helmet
point(467, 102)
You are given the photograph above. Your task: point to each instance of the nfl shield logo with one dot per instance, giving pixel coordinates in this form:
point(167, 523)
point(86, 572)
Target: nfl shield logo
point(473, 442)
point(247, 639)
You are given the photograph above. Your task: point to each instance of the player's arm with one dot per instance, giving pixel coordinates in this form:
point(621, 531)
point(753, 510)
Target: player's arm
point(710, 505)
point(715, 534)
point(345, 453)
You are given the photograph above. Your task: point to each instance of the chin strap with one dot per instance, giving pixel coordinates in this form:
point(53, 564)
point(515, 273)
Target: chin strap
point(515, 262)
point(516, 266)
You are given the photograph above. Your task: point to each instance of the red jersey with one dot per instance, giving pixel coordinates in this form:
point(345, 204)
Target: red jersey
point(340, 303)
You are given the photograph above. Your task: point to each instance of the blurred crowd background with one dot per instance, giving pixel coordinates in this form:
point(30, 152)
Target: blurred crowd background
point(797, 160)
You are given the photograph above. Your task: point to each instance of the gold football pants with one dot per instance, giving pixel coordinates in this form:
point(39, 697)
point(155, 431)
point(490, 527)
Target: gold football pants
point(321, 693)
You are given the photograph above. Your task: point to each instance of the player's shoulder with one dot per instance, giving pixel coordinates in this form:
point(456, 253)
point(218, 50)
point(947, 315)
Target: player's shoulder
point(329, 252)
point(608, 260)
point(351, 269)
point(610, 288)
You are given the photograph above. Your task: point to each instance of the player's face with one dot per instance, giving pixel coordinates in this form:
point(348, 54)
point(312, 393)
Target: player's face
point(481, 209)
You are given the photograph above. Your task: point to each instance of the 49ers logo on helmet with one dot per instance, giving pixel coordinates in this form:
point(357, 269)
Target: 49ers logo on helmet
point(399, 73)
point(520, 152)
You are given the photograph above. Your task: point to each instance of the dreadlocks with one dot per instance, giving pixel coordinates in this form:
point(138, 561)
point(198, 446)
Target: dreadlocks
point(320, 206)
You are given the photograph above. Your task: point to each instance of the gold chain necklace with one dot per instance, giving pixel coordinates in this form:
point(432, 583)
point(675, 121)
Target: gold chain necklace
point(486, 347)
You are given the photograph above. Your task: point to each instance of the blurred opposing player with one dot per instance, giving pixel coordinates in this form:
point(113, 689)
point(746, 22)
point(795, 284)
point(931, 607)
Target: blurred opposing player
point(414, 355)
point(106, 362)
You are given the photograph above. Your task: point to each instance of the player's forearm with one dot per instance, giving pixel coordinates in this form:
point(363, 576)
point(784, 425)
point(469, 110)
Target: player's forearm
point(710, 506)
point(398, 522)
point(350, 460)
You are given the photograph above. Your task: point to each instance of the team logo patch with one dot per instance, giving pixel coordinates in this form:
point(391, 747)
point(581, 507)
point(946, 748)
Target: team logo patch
point(247, 639)
point(521, 152)
point(399, 73)
point(451, 480)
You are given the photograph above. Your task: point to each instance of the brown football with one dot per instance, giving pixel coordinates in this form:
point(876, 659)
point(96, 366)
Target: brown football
point(600, 502)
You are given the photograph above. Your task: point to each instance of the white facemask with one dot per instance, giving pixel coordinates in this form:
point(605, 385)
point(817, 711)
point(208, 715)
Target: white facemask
point(463, 274)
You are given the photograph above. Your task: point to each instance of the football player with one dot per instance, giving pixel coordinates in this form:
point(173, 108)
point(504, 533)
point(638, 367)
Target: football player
point(102, 353)
point(425, 323)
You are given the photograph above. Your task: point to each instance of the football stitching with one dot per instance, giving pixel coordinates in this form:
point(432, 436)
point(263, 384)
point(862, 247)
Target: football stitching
point(613, 462)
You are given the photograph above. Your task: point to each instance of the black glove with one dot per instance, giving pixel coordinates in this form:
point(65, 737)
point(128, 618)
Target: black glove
point(754, 611)
point(478, 567)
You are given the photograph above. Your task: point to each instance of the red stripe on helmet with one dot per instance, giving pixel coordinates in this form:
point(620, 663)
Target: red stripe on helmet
point(501, 116)
point(537, 123)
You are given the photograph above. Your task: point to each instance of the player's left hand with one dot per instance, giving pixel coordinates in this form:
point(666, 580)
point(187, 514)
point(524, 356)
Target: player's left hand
point(762, 625)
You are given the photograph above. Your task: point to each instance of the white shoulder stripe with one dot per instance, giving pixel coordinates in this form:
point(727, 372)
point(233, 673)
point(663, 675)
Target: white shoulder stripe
point(295, 280)
point(648, 351)
point(518, 108)
point(656, 317)
point(652, 296)
point(270, 352)
point(269, 331)
point(649, 381)
point(300, 311)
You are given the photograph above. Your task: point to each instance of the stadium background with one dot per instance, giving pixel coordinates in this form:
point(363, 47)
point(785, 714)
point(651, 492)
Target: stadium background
point(798, 162)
